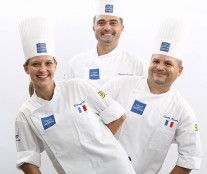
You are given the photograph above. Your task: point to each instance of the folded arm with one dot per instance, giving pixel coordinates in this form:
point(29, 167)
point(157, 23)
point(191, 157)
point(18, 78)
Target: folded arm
point(180, 170)
point(115, 125)
point(30, 169)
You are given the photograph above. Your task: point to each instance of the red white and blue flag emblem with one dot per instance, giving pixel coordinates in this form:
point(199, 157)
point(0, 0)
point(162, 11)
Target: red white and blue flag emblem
point(169, 123)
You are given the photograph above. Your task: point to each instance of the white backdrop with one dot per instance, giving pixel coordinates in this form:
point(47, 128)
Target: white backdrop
point(73, 32)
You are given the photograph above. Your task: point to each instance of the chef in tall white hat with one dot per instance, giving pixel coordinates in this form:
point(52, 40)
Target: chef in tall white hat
point(171, 38)
point(71, 120)
point(157, 115)
point(37, 37)
point(107, 59)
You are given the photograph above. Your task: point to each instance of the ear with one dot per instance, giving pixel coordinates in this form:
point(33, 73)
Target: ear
point(180, 71)
point(93, 28)
point(26, 68)
point(122, 28)
point(56, 65)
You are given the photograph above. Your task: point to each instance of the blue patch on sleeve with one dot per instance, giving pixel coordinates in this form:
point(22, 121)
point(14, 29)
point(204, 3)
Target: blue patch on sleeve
point(165, 47)
point(41, 48)
point(138, 107)
point(48, 122)
point(108, 8)
point(94, 74)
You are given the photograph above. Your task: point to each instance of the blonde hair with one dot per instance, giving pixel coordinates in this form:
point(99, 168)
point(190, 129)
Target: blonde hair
point(31, 89)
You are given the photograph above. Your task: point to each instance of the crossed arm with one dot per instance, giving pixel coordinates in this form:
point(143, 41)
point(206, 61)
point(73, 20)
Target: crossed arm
point(180, 170)
point(115, 125)
point(30, 169)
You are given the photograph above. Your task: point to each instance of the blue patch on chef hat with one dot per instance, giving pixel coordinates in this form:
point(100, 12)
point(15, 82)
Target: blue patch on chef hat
point(41, 48)
point(165, 46)
point(108, 8)
point(138, 107)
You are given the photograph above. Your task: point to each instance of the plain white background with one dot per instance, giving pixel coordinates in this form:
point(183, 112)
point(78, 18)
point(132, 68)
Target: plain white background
point(73, 33)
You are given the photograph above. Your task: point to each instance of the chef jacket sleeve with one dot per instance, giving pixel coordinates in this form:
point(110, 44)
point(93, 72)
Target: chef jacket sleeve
point(188, 140)
point(108, 109)
point(28, 145)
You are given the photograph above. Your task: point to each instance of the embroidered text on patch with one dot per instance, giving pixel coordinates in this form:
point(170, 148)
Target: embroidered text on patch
point(41, 48)
point(94, 74)
point(165, 47)
point(138, 107)
point(48, 122)
point(109, 8)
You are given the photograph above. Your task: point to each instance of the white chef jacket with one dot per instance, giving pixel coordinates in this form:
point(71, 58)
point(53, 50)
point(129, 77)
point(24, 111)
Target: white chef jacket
point(71, 129)
point(153, 123)
point(99, 69)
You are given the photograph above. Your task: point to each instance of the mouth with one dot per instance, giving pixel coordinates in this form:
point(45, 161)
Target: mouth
point(42, 76)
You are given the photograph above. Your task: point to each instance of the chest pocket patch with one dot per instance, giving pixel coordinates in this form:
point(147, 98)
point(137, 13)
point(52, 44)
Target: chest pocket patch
point(48, 122)
point(94, 74)
point(138, 107)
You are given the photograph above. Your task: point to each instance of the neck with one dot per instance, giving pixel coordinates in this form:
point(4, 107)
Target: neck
point(45, 93)
point(156, 88)
point(105, 49)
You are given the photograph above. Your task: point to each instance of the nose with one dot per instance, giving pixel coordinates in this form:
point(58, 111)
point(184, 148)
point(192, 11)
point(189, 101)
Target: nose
point(42, 68)
point(160, 66)
point(107, 26)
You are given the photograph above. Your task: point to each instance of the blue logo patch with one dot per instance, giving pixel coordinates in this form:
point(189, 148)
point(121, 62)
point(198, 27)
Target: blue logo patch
point(48, 122)
point(41, 48)
point(108, 8)
point(94, 74)
point(17, 137)
point(165, 47)
point(138, 107)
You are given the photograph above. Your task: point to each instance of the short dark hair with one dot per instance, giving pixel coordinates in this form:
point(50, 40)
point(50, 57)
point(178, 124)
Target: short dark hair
point(120, 19)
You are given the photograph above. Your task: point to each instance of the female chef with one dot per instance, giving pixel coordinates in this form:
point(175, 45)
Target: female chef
point(68, 119)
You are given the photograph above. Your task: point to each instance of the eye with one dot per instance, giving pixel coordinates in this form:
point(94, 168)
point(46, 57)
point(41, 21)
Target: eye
point(113, 23)
point(48, 63)
point(155, 61)
point(168, 64)
point(35, 64)
point(101, 23)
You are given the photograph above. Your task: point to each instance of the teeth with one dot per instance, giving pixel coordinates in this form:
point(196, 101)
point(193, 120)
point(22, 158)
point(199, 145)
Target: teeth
point(42, 76)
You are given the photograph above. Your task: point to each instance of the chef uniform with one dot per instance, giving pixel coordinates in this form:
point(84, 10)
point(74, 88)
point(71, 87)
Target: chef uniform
point(71, 126)
point(99, 69)
point(155, 121)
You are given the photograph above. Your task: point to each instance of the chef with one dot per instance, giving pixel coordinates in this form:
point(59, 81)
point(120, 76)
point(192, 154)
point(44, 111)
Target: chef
point(157, 115)
point(70, 120)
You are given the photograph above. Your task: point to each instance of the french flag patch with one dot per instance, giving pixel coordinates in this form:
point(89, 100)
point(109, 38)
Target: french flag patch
point(169, 123)
point(81, 108)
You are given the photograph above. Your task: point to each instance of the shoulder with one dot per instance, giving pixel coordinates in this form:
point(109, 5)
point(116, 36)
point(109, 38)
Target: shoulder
point(126, 81)
point(81, 56)
point(73, 83)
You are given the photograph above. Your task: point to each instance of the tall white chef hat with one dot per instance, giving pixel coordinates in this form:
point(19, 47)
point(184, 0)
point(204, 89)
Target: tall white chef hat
point(107, 7)
point(171, 38)
point(36, 36)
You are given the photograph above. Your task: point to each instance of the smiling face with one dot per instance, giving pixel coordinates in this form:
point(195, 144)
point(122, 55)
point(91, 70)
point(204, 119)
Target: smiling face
point(107, 29)
point(41, 70)
point(163, 71)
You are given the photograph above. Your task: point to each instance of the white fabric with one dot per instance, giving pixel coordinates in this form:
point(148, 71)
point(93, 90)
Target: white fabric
point(37, 37)
point(171, 38)
point(154, 124)
point(116, 63)
point(108, 7)
point(75, 137)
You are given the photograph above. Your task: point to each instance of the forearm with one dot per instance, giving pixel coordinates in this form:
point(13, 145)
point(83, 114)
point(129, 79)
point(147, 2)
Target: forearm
point(30, 169)
point(180, 170)
point(115, 125)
